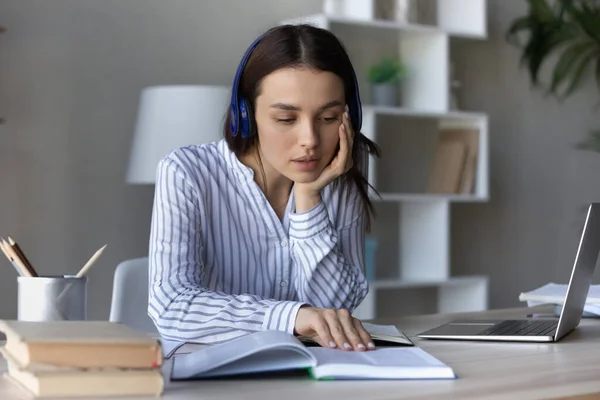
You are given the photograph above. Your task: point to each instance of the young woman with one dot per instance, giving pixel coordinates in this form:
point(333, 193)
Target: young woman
point(265, 228)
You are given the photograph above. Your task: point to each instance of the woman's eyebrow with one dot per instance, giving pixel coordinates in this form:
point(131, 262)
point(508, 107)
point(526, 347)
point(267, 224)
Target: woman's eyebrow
point(291, 107)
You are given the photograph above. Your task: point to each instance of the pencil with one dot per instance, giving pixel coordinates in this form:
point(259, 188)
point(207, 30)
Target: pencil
point(10, 259)
point(17, 263)
point(91, 262)
point(21, 255)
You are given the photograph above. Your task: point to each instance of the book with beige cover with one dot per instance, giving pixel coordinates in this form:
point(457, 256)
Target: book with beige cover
point(81, 358)
point(455, 162)
point(84, 344)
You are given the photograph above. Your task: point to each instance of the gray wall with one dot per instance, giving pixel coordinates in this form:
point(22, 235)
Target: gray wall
point(70, 75)
point(527, 235)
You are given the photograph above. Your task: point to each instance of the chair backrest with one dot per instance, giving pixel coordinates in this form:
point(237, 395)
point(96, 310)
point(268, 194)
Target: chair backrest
point(129, 304)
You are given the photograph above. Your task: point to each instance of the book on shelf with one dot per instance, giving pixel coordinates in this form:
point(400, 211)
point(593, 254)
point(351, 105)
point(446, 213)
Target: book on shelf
point(277, 351)
point(454, 166)
point(81, 358)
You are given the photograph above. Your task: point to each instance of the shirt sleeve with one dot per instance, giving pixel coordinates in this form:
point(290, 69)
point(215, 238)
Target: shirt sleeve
point(330, 262)
point(179, 303)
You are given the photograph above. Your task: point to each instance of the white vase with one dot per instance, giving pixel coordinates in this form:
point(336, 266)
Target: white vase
point(406, 11)
point(385, 94)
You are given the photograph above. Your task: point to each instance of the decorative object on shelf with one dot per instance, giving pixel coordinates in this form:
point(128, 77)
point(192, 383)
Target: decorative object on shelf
point(385, 78)
point(566, 33)
point(170, 117)
point(370, 249)
point(455, 85)
point(402, 11)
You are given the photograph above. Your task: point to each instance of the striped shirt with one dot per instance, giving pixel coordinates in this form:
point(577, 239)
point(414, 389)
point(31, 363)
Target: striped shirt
point(222, 264)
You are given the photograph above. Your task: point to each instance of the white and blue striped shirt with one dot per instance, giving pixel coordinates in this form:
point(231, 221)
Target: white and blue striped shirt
point(222, 264)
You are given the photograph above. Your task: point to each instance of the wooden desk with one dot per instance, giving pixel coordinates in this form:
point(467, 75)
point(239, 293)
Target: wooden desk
point(568, 368)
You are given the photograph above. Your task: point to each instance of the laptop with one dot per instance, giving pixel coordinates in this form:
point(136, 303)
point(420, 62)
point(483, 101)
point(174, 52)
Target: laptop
point(538, 329)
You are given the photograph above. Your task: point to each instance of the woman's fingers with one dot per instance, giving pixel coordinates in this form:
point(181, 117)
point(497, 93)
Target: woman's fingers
point(356, 341)
point(365, 336)
point(342, 156)
point(337, 330)
point(348, 135)
point(322, 329)
point(349, 130)
point(332, 328)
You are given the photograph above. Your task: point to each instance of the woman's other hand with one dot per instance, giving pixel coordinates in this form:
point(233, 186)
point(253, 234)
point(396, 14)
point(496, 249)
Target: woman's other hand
point(333, 329)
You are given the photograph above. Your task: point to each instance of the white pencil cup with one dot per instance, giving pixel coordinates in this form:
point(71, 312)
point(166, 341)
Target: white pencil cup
point(52, 298)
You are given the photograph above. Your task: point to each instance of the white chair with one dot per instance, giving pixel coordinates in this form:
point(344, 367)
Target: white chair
point(129, 304)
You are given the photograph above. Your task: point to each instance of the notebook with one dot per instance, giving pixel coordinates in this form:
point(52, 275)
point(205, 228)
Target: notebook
point(274, 351)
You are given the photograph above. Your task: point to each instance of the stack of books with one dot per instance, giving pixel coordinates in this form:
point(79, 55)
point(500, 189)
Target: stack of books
point(81, 358)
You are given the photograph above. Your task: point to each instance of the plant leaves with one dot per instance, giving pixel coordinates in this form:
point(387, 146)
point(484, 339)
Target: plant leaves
point(578, 74)
point(559, 27)
point(567, 62)
point(592, 142)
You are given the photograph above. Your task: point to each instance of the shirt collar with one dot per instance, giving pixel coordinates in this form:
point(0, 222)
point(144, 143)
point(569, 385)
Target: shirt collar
point(243, 171)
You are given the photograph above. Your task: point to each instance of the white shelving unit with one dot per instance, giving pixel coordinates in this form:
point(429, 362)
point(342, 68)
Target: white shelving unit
point(413, 274)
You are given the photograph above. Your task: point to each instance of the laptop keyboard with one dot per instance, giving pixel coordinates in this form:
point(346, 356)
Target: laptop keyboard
point(522, 328)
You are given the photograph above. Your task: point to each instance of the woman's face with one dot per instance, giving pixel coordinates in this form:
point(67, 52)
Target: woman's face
point(298, 113)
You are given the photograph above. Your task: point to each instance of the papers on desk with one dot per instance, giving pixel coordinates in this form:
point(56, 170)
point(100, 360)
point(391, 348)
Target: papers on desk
point(553, 293)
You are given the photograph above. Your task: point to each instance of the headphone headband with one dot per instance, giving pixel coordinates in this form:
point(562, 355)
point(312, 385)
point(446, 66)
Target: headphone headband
point(239, 110)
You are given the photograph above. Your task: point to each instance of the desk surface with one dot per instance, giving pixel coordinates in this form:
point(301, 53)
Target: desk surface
point(485, 370)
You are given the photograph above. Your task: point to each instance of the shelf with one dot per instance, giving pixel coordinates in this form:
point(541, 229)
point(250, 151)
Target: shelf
point(409, 253)
point(401, 284)
point(407, 112)
point(394, 298)
point(425, 197)
point(324, 20)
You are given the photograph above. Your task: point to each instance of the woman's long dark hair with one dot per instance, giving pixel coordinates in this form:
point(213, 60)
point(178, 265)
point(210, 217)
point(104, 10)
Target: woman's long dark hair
point(302, 45)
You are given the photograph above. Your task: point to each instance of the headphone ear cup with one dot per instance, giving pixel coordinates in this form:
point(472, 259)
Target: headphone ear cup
point(244, 118)
point(247, 119)
point(233, 121)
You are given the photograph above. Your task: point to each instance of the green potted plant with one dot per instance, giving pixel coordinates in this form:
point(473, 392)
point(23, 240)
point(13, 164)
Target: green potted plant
point(566, 33)
point(385, 78)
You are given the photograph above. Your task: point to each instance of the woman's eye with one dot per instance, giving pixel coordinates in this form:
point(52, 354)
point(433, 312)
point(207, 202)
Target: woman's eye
point(330, 119)
point(286, 120)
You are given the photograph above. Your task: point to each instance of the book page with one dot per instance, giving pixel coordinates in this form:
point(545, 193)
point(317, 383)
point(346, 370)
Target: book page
point(386, 333)
point(389, 330)
point(257, 352)
point(412, 357)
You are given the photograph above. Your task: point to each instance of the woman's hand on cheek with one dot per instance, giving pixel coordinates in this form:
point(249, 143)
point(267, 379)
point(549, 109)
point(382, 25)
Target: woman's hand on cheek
point(308, 194)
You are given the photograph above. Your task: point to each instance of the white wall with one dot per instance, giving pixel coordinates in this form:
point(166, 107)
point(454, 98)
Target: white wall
point(70, 75)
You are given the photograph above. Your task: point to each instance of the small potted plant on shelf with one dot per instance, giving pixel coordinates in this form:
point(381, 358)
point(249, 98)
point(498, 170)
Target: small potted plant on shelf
point(385, 78)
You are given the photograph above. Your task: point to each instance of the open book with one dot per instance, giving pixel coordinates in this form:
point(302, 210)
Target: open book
point(271, 351)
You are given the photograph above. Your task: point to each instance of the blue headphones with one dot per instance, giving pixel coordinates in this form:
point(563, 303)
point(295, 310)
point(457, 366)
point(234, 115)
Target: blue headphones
point(241, 118)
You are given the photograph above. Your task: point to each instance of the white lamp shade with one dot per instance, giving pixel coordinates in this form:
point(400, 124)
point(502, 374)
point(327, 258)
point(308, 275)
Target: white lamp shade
point(170, 117)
